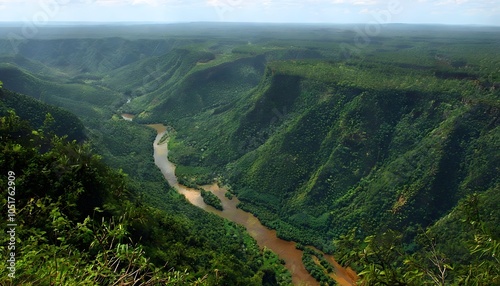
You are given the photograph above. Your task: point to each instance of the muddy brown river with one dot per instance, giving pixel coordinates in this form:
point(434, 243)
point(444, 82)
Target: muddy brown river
point(265, 237)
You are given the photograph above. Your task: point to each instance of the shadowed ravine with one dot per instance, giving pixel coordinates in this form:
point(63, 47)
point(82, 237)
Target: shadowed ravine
point(265, 237)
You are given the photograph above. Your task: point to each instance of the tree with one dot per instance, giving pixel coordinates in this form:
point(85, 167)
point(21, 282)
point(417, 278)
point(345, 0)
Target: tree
point(381, 259)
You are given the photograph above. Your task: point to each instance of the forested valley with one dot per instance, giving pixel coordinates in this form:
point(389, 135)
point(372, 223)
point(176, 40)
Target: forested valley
point(384, 153)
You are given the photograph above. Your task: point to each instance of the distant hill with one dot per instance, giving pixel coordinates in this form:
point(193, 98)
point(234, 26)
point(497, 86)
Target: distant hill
point(35, 112)
point(85, 100)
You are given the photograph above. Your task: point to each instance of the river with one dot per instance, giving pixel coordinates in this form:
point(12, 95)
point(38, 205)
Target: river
point(265, 237)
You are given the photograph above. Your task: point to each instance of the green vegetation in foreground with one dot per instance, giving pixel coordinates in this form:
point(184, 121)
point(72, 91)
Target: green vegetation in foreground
point(76, 221)
point(75, 210)
point(434, 258)
point(210, 199)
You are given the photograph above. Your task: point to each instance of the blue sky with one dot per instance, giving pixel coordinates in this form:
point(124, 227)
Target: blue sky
point(479, 12)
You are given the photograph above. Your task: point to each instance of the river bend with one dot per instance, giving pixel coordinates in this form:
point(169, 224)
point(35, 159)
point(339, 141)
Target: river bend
point(265, 237)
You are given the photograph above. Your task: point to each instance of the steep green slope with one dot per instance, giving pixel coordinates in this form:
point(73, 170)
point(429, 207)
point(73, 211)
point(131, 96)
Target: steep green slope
point(210, 87)
point(76, 56)
point(84, 100)
point(320, 147)
point(157, 77)
point(33, 66)
point(459, 249)
point(60, 122)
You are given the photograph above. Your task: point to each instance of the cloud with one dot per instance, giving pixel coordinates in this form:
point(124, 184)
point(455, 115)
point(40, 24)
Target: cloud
point(483, 12)
point(354, 2)
point(149, 2)
point(445, 2)
point(364, 2)
point(104, 2)
point(359, 11)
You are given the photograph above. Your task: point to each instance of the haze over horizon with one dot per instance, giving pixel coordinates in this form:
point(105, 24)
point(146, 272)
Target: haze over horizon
point(450, 12)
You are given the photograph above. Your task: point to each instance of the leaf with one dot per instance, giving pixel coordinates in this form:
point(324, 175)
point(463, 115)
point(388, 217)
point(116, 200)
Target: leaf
point(39, 203)
point(16, 148)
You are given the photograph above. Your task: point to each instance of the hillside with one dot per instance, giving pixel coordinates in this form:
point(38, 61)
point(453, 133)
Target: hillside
point(319, 146)
point(60, 122)
point(84, 100)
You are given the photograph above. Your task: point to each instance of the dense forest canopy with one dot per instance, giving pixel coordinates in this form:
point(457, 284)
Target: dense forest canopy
point(384, 151)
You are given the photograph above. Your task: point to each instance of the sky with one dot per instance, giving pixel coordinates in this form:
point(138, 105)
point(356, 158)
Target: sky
point(461, 12)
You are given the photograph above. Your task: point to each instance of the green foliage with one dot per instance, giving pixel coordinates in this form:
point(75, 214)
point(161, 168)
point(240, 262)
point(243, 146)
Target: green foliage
point(60, 238)
point(84, 226)
point(79, 98)
point(273, 270)
point(382, 259)
point(41, 115)
point(229, 195)
point(210, 199)
point(193, 177)
point(318, 267)
point(321, 145)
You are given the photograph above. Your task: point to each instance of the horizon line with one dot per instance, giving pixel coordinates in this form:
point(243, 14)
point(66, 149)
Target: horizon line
point(118, 23)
